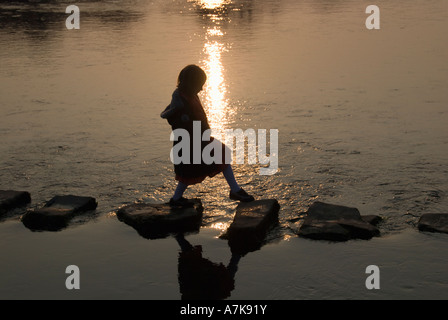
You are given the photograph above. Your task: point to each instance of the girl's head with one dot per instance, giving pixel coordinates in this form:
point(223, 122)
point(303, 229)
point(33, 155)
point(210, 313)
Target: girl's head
point(191, 79)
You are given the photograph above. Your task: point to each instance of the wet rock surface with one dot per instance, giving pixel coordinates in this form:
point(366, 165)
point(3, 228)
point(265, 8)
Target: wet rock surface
point(337, 223)
point(251, 223)
point(57, 213)
point(10, 199)
point(154, 221)
point(434, 222)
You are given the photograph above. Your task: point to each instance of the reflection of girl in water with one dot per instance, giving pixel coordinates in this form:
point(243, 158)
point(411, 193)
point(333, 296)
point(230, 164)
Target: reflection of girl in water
point(185, 107)
point(201, 279)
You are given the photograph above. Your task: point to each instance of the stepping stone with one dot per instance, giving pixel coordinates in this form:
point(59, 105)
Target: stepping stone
point(337, 223)
point(57, 213)
point(372, 219)
point(251, 224)
point(434, 222)
point(154, 221)
point(10, 199)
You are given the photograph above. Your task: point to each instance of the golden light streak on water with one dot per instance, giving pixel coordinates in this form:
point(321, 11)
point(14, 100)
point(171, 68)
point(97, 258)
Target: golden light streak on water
point(214, 32)
point(214, 94)
point(222, 226)
point(212, 4)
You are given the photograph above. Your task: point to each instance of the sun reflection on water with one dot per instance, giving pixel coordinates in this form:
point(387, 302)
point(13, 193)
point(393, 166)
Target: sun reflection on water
point(214, 98)
point(212, 4)
point(215, 31)
point(221, 226)
point(216, 103)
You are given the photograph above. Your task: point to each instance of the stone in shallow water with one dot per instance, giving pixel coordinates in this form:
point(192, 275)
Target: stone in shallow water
point(251, 223)
point(337, 223)
point(434, 222)
point(57, 213)
point(153, 221)
point(372, 219)
point(10, 199)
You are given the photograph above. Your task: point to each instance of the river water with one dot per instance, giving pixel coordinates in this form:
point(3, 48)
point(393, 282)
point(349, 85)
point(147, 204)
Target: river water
point(361, 116)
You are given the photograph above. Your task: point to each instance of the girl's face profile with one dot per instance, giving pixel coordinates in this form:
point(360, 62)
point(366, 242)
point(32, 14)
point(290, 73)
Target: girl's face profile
point(198, 86)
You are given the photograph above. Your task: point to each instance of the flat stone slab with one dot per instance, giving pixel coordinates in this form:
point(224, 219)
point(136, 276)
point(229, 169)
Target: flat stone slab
point(251, 223)
point(153, 221)
point(10, 199)
point(337, 223)
point(434, 222)
point(56, 213)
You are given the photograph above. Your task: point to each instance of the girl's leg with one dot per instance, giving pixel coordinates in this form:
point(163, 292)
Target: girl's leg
point(183, 243)
point(236, 192)
point(230, 178)
point(181, 187)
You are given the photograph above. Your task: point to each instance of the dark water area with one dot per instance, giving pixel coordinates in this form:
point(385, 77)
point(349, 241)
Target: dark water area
point(361, 116)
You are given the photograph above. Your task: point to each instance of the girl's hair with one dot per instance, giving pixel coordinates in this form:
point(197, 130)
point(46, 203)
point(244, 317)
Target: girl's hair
point(191, 74)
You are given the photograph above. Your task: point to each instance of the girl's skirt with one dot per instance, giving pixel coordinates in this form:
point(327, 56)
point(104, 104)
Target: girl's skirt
point(193, 173)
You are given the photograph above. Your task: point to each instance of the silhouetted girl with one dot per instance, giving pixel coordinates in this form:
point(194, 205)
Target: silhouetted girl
point(185, 107)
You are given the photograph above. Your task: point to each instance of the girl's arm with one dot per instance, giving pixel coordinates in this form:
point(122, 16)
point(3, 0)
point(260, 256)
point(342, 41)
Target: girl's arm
point(175, 106)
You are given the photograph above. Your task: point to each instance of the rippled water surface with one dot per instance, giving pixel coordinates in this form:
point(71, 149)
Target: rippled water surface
point(361, 116)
